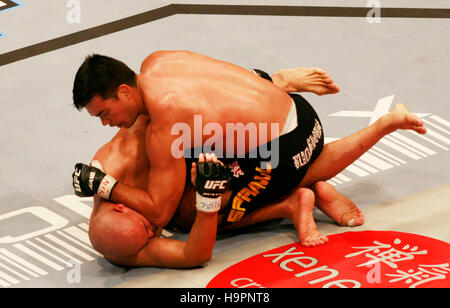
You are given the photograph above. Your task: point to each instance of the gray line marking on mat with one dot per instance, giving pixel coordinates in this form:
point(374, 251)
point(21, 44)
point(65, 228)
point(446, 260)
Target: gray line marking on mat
point(199, 9)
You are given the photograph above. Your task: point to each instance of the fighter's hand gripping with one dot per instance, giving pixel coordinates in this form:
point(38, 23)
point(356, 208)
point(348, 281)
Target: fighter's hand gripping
point(89, 181)
point(212, 181)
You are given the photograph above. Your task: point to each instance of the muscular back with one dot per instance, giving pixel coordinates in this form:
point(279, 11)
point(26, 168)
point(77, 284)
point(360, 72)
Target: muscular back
point(176, 86)
point(183, 84)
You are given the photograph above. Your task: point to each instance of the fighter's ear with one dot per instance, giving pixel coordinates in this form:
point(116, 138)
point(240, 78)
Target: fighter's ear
point(124, 91)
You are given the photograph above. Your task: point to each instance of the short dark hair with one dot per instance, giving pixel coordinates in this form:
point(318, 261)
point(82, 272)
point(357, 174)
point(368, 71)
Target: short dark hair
point(100, 75)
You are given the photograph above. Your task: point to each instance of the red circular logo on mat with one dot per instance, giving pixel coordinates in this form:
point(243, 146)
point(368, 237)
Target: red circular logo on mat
point(366, 259)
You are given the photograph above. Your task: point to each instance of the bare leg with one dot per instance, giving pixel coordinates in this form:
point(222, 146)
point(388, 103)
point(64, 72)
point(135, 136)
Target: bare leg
point(298, 207)
point(338, 155)
point(313, 80)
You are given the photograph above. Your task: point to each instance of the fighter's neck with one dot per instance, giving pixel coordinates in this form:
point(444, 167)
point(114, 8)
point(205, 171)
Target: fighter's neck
point(142, 108)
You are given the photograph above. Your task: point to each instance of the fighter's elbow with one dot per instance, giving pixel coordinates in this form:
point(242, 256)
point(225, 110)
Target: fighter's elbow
point(204, 259)
point(198, 259)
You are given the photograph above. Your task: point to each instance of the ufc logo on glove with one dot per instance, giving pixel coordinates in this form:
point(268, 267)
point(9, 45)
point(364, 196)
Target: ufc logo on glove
point(216, 184)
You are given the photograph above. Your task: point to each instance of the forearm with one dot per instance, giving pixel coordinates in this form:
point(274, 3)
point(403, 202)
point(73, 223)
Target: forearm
point(138, 200)
point(200, 244)
point(171, 253)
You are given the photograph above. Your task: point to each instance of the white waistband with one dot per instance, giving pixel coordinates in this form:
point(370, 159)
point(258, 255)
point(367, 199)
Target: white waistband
point(291, 120)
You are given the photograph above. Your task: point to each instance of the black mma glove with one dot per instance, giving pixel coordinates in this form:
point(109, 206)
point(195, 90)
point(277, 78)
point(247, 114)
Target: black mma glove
point(89, 181)
point(213, 179)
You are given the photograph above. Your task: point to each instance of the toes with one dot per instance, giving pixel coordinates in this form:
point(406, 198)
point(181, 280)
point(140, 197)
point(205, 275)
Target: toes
point(351, 222)
point(417, 123)
point(319, 74)
point(355, 222)
point(315, 242)
point(314, 71)
point(327, 78)
point(324, 78)
point(421, 130)
point(309, 244)
point(353, 218)
point(318, 80)
point(414, 120)
point(320, 71)
point(335, 88)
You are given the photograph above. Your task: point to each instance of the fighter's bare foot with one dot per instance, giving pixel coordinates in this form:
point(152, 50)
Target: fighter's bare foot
point(303, 205)
point(401, 118)
point(313, 80)
point(336, 206)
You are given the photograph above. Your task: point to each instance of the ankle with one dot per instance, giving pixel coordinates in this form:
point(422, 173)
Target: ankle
point(386, 125)
point(280, 81)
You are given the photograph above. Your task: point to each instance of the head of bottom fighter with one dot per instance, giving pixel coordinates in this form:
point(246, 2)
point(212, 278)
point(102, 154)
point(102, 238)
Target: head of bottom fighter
point(118, 230)
point(125, 237)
